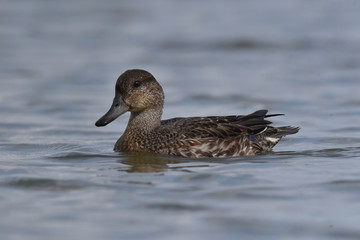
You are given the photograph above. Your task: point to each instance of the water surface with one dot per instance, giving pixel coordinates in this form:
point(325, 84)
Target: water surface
point(59, 61)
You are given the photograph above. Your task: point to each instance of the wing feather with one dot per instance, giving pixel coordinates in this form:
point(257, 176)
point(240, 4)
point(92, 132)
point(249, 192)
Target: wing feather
point(220, 126)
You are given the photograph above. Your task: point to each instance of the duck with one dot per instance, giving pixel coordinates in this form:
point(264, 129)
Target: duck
point(138, 92)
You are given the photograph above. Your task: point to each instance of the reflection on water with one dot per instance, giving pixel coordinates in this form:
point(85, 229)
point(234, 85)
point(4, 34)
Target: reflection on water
point(148, 163)
point(145, 162)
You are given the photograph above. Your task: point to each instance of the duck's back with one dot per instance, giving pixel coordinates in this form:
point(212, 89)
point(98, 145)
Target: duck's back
point(221, 136)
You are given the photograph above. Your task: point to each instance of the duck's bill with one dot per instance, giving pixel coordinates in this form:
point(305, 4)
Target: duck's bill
point(117, 108)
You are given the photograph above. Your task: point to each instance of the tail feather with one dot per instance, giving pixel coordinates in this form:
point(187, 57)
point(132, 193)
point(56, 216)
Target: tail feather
point(286, 130)
point(274, 115)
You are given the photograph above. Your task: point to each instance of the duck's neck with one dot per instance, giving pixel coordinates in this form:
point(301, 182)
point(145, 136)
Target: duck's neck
point(144, 121)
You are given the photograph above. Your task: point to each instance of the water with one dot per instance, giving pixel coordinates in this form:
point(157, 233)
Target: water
point(59, 61)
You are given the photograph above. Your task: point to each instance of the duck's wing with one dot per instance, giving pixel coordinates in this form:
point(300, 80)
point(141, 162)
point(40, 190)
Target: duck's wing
point(220, 126)
point(224, 136)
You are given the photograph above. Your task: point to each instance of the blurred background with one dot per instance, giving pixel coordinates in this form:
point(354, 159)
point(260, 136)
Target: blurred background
point(59, 61)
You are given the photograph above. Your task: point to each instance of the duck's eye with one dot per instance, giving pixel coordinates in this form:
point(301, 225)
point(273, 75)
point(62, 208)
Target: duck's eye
point(137, 84)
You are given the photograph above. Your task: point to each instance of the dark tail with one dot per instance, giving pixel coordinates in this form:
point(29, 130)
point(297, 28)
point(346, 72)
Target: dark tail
point(286, 130)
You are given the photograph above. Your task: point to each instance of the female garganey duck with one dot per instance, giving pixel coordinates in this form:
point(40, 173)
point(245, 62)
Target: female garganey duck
point(138, 92)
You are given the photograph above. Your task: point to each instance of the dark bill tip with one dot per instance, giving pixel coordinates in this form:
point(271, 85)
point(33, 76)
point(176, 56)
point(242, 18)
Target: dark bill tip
point(100, 123)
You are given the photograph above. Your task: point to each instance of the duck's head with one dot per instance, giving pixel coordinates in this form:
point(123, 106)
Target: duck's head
point(135, 91)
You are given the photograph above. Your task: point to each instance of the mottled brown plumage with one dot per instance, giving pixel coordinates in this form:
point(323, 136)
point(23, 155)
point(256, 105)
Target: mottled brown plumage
point(138, 91)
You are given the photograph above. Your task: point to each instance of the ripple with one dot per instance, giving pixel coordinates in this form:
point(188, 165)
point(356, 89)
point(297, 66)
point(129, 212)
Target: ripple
point(227, 44)
point(39, 147)
point(16, 125)
point(337, 152)
point(75, 155)
point(45, 184)
point(249, 44)
point(177, 206)
point(345, 185)
point(347, 152)
point(199, 177)
point(350, 130)
point(56, 151)
point(271, 228)
point(244, 194)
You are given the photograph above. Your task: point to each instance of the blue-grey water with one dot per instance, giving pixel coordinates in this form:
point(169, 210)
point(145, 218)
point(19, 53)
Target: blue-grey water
point(60, 179)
